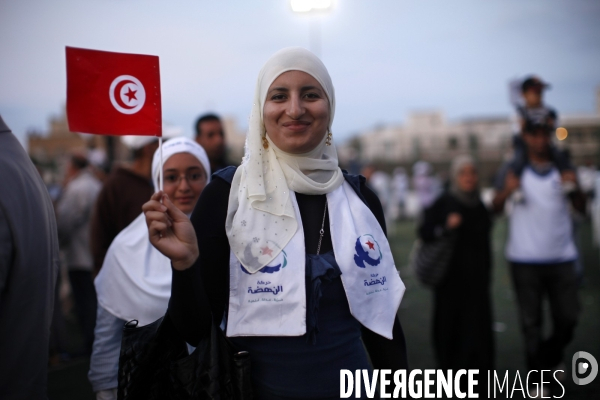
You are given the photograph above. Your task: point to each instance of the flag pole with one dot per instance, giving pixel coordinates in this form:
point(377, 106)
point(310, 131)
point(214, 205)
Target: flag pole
point(160, 171)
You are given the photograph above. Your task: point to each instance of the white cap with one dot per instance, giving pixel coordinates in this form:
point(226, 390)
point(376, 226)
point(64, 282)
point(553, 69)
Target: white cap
point(137, 142)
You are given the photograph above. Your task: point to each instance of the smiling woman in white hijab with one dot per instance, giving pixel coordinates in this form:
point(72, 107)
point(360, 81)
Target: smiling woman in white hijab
point(135, 279)
point(287, 251)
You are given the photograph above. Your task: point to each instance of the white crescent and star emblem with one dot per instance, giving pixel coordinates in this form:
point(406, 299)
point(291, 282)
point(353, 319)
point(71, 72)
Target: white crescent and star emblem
point(127, 94)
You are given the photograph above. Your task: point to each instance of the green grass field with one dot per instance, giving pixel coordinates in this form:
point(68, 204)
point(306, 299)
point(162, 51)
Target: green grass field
point(69, 382)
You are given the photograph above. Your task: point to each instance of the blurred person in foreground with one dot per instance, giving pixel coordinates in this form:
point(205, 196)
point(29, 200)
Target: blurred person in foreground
point(29, 264)
point(124, 192)
point(73, 214)
point(462, 319)
point(540, 246)
point(210, 135)
point(129, 289)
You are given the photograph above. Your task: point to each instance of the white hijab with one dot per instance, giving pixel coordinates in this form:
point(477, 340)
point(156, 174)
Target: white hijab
point(260, 209)
point(135, 279)
point(469, 199)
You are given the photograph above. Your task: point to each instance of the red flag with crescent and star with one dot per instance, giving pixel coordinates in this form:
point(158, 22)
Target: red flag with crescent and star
point(113, 93)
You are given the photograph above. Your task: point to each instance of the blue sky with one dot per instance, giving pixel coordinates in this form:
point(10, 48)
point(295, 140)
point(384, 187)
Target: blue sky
point(386, 57)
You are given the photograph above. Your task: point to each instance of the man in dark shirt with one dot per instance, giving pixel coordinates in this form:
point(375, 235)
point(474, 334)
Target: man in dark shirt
point(120, 200)
point(210, 135)
point(28, 269)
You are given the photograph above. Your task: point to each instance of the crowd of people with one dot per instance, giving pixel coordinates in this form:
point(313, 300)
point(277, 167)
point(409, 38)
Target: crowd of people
point(202, 251)
point(540, 185)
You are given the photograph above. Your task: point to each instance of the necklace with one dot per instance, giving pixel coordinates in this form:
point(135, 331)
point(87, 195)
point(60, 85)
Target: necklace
point(322, 231)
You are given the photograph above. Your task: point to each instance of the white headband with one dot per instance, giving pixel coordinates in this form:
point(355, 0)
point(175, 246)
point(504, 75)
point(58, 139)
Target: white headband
point(175, 146)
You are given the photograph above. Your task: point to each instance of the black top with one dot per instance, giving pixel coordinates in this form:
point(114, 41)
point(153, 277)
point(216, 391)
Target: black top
point(462, 325)
point(471, 258)
point(119, 203)
point(192, 303)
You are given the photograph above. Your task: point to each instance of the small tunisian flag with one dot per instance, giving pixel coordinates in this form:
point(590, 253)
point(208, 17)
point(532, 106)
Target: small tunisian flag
point(113, 93)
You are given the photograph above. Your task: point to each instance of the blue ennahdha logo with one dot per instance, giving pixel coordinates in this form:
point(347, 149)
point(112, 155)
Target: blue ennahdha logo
point(367, 251)
point(277, 264)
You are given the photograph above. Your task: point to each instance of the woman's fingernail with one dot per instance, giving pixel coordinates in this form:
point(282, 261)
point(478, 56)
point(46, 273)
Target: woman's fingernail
point(163, 208)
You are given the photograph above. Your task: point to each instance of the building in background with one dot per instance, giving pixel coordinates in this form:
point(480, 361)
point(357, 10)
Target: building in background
point(50, 150)
point(429, 136)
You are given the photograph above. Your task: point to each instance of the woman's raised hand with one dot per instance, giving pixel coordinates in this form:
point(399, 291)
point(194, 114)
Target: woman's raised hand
point(171, 231)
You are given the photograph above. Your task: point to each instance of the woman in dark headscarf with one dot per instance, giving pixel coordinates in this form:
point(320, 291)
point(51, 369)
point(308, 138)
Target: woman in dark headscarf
point(462, 322)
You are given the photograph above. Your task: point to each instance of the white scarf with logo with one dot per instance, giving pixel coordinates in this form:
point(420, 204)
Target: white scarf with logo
point(272, 302)
point(263, 225)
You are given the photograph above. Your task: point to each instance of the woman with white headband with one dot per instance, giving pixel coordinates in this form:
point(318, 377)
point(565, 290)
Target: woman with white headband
point(286, 250)
point(128, 289)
